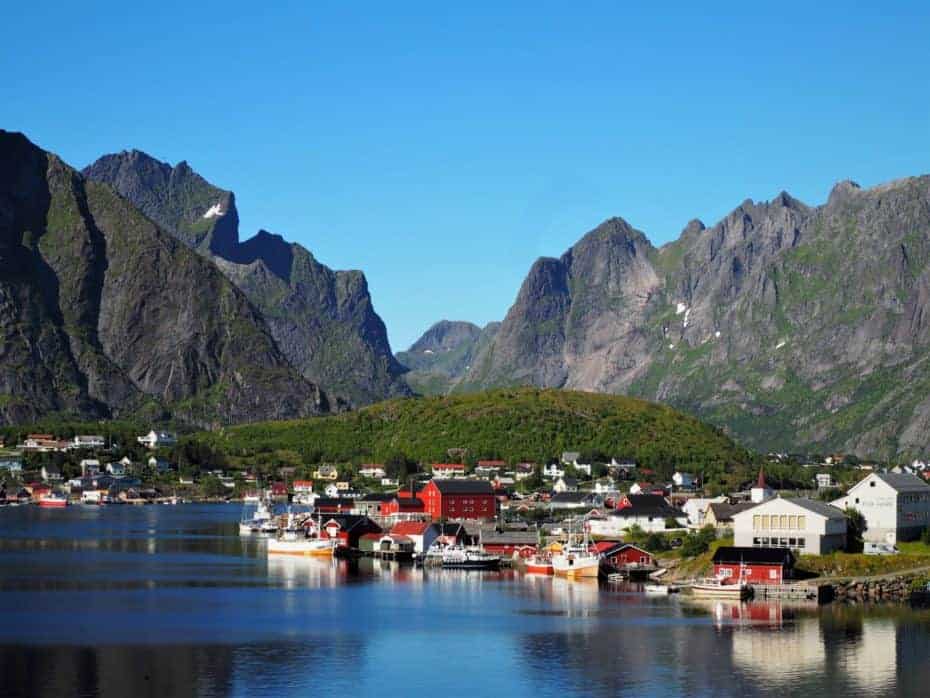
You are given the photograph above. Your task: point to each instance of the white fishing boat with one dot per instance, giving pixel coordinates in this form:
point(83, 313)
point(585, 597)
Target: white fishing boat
point(293, 540)
point(575, 560)
point(261, 521)
point(469, 558)
point(721, 588)
point(657, 589)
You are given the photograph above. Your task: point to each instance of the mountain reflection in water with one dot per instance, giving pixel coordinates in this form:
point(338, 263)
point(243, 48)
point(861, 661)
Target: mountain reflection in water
point(164, 601)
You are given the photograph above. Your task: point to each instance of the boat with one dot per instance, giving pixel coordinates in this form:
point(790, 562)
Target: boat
point(540, 563)
point(719, 587)
point(293, 540)
point(53, 501)
point(657, 589)
point(575, 560)
point(469, 558)
point(261, 521)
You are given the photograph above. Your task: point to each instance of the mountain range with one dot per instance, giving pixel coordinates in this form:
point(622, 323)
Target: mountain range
point(792, 326)
point(104, 314)
point(322, 320)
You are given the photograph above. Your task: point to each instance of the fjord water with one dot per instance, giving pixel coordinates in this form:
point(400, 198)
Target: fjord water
point(168, 600)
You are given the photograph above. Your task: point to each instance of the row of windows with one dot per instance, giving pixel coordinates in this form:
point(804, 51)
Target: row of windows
point(766, 542)
point(790, 522)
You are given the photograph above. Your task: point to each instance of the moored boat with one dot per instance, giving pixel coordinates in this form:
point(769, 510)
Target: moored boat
point(540, 563)
point(469, 558)
point(575, 561)
point(261, 521)
point(53, 501)
point(718, 587)
point(293, 540)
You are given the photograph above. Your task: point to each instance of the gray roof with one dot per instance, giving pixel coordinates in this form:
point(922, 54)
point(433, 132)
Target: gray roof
point(822, 508)
point(903, 482)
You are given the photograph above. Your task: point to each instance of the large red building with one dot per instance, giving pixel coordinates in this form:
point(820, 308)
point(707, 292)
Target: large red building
point(459, 499)
point(754, 565)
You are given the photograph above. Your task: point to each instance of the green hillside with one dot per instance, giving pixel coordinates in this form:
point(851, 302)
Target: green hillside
point(512, 424)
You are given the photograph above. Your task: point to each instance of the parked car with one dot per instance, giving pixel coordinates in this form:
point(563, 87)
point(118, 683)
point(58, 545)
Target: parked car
point(880, 549)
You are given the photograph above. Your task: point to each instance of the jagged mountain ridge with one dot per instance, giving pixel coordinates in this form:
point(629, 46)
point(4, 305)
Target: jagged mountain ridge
point(102, 314)
point(323, 320)
point(443, 355)
point(795, 327)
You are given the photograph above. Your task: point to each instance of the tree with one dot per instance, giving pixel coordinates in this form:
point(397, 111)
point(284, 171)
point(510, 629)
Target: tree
point(855, 527)
point(697, 543)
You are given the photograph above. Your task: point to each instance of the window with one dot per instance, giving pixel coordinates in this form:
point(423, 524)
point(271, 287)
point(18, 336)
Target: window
point(784, 521)
point(792, 522)
point(726, 572)
point(773, 574)
point(802, 523)
point(765, 521)
point(756, 520)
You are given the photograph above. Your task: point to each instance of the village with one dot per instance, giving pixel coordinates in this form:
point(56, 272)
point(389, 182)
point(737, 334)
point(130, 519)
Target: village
point(616, 519)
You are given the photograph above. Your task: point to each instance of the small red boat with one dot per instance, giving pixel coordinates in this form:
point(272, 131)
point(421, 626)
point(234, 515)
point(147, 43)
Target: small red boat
point(53, 501)
point(539, 564)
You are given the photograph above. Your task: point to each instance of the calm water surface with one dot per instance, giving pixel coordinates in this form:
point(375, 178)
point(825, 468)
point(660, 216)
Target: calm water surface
point(163, 601)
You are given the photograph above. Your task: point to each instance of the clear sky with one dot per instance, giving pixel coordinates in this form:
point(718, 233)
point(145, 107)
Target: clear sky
point(442, 147)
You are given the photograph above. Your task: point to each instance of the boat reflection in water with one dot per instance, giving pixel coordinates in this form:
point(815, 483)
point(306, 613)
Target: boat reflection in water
point(293, 571)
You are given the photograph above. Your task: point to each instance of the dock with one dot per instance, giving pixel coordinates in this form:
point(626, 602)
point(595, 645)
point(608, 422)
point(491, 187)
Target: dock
point(818, 593)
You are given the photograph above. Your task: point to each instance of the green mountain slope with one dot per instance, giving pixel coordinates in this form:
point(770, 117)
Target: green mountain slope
point(518, 424)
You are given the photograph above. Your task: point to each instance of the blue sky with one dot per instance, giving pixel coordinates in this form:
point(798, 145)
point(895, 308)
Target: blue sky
point(443, 148)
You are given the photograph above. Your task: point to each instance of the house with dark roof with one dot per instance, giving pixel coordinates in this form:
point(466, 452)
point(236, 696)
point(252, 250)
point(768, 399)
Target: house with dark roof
point(649, 512)
point(565, 484)
point(348, 528)
point(720, 514)
point(459, 499)
point(754, 565)
point(575, 500)
point(895, 506)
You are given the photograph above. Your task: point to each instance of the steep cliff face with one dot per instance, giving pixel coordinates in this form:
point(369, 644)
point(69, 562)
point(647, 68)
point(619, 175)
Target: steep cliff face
point(443, 355)
point(103, 314)
point(792, 326)
point(323, 320)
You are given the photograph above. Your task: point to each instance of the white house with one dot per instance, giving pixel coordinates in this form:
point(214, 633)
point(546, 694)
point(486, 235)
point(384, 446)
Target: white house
point(523, 471)
point(583, 468)
point(651, 513)
point(815, 528)
point(87, 441)
point(565, 484)
point(824, 481)
point(895, 506)
point(90, 467)
point(159, 464)
point(331, 490)
point(157, 439)
point(116, 469)
point(375, 472)
point(696, 507)
point(553, 471)
point(51, 473)
point(570, 457)
point(448, 470)
point(683, 480)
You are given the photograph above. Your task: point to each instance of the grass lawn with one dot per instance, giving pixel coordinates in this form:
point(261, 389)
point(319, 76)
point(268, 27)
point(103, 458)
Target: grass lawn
point(912, 555)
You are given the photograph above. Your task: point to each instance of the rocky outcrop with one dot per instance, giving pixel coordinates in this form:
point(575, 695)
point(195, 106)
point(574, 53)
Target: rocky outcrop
point(102, 314)
point(793, 327)
point(323, 320)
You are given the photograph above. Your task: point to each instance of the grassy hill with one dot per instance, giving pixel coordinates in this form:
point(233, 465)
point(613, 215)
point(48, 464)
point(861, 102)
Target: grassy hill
point(512, 424)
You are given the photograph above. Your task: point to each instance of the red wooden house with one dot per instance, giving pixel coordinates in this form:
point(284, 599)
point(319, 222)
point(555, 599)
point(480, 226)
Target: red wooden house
point(618, 557)
point(459, 499)
point(348, 529)
point(754, 565)
point(402, 505)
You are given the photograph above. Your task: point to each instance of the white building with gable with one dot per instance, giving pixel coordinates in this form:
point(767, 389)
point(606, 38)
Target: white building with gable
point(895, 506)
point(806, 526)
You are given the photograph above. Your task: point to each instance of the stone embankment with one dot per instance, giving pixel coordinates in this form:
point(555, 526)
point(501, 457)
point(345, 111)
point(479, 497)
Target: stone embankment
point(892, 589)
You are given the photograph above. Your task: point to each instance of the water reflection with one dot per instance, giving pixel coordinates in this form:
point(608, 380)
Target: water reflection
point(170, 601)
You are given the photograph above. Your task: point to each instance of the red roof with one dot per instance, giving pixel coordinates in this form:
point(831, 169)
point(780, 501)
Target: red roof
point(492, 463)
point(448, 466)
point(410, 528)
